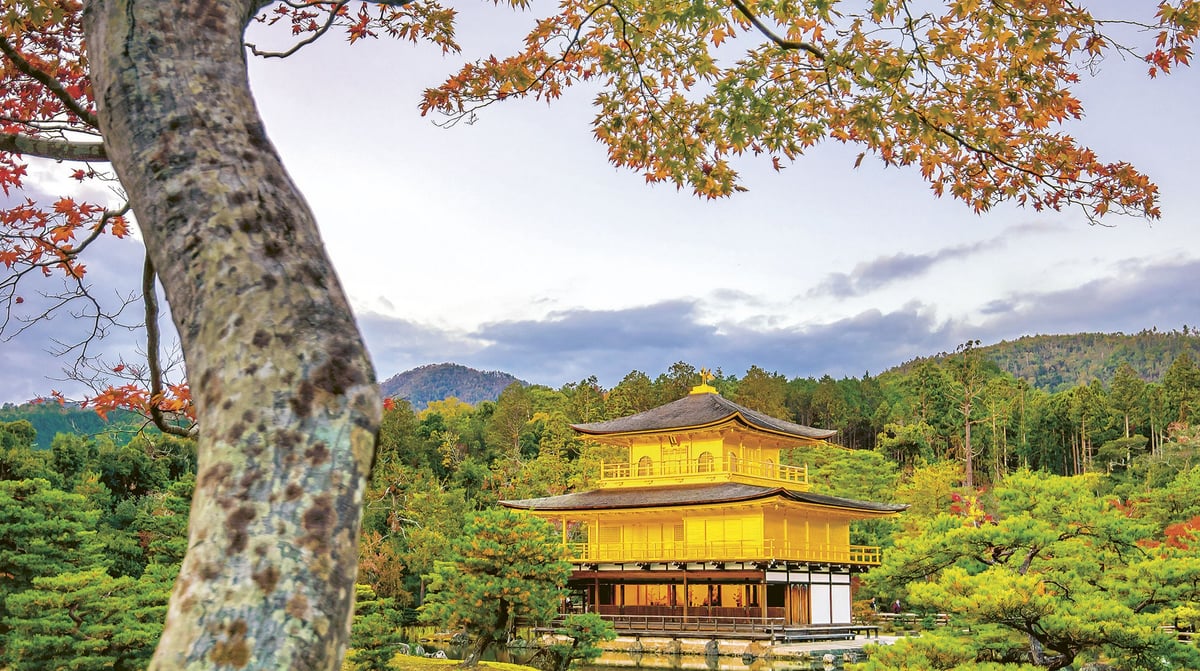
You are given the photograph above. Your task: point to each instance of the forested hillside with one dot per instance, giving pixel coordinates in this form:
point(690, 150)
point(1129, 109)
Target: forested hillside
point(50, 419)
point(435, 382)
point(1057, 362)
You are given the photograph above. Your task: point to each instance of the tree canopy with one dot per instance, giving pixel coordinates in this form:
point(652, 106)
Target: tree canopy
point(506, 565)
point(1046, 571)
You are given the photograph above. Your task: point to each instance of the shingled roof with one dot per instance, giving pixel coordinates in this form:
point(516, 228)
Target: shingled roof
point(697, 410)
point(665, 497)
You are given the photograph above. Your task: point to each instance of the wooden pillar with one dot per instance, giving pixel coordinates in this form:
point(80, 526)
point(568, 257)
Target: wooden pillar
point(686, 594)
point(762, 596)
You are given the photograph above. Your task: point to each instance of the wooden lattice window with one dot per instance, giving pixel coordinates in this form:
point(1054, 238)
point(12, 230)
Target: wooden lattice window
point(704, 464)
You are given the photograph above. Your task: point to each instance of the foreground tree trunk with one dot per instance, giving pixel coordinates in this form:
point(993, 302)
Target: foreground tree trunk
point(284, 391)
point(488, 637)
point(478, 647)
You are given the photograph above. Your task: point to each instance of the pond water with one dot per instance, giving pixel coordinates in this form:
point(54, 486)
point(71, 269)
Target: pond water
point(667, 662)
point(611, 660)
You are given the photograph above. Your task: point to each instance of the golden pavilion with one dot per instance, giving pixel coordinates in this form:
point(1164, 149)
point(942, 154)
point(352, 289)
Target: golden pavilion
point(703, 523)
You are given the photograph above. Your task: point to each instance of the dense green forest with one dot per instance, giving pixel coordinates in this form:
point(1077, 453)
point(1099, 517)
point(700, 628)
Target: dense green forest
point(93, 529)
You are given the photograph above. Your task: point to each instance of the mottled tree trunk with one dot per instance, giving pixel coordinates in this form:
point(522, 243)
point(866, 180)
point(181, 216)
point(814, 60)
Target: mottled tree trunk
point(284, 391)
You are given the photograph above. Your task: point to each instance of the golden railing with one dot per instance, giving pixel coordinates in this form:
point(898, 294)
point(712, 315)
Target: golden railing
point(723, 551)
point(657, 470)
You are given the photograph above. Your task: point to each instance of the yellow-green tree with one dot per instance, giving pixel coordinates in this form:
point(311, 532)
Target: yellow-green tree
point(763, 391)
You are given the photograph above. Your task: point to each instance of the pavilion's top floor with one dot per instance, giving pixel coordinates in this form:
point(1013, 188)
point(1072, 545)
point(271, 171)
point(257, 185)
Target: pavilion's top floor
point(702, 438)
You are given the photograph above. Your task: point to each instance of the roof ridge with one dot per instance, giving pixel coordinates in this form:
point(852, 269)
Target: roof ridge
point(697, 410)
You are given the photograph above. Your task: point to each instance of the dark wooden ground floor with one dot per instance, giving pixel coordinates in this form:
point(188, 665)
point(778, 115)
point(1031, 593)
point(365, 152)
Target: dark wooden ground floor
point(750, 599)
point(729, 626)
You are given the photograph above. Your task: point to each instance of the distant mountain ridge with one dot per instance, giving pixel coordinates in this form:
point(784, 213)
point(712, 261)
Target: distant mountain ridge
point(435, 382)
point(1051, 363)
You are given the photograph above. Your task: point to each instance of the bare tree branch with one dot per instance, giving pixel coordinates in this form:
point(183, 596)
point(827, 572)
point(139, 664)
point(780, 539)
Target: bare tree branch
point(333, 13)
point(150, 301)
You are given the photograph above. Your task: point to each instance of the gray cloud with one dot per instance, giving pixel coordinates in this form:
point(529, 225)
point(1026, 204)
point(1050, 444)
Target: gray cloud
point(885, 270)
point(880, 272)
point(397, 344)
point(609, 343)
point(1140, 295)
point(570, 345)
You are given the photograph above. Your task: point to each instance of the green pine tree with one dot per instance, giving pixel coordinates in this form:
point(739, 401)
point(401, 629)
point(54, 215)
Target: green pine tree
point(505, 565)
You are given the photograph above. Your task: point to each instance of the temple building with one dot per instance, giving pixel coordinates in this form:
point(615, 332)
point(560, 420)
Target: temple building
point(703, 522)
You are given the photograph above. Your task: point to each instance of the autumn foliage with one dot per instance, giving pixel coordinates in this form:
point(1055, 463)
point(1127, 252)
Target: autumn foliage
point(45, 96)
point(973, 94)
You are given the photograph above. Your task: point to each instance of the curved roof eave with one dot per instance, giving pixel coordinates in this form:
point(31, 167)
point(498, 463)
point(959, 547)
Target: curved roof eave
point(700, 411)
point(676, 496)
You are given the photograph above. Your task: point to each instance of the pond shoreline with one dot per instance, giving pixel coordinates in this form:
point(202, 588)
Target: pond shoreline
point(710, 654)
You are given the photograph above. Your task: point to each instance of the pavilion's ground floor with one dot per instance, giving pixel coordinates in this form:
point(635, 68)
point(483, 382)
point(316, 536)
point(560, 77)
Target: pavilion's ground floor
point(739, 596)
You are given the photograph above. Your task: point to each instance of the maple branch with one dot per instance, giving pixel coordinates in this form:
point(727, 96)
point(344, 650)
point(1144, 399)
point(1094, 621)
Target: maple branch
point(770, 35)
point(334, 10)
point(633, 57)
point(983, 152)
point(58, 150)
point(53, 85)
point(469, 113)
point(150, 301)
point(59, 125)
point(317, 34)
point(73, 252)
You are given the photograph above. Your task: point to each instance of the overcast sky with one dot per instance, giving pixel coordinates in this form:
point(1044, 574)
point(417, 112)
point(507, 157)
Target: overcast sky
point(513, 245)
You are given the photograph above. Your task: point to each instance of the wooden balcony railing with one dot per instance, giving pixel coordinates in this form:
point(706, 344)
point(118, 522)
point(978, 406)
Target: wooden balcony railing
point(648, 472)
point(722, 551)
